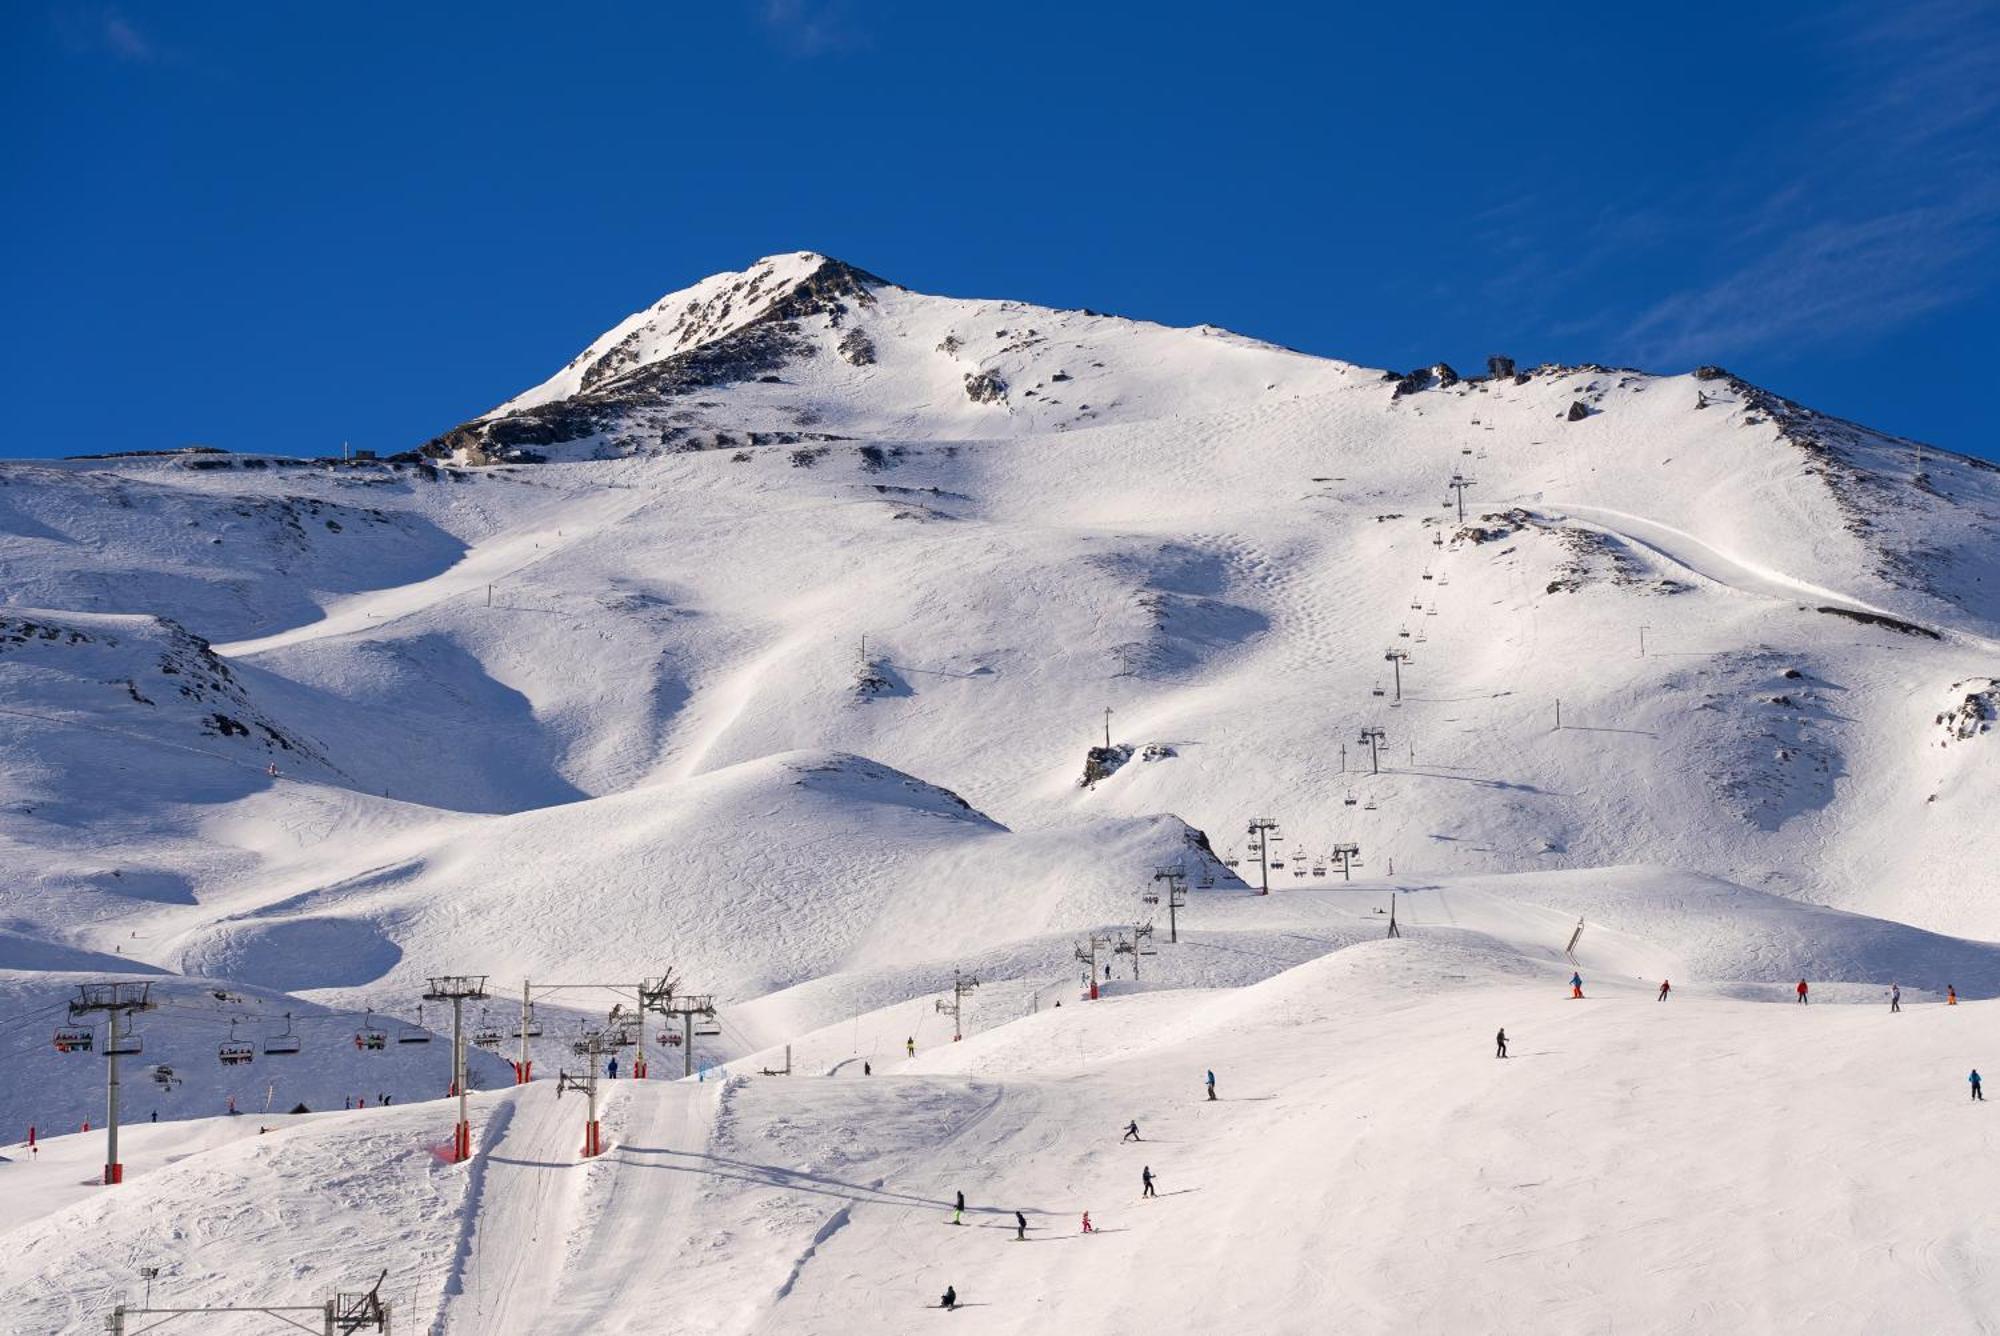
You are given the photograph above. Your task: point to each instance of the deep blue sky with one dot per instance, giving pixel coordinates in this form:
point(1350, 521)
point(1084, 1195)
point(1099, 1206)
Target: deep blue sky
point(278, 226)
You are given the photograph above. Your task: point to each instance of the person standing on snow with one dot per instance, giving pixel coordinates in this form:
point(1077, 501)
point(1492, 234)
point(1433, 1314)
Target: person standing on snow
point(611, 1069)
point(1801, 991)
point(1895, 997)
point(1500, 1043)
point(958, 1213)
point(1211, 1085)
point(1088, 1228)
point(1576, 984)
point(950, 1299)
point(1146, 1178)
point(1020, 1228)
point(1974, 1079)
point(910, 1046)
point(1950, 996)
point(866, 1069)
point(1666, 986)
point(1131, 1131)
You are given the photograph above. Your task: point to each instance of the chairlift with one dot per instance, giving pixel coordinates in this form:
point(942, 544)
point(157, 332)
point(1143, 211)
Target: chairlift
point(1418, 639)
point(670, 1039)
point(76, 1039)
point(1150, 898)
point(281, 1044)
point(1443, 580)
point(1207, 879)
point(1376, 690)
point(709, 1033)
point(1427, 570)
point(1368, 806)
point(1299, 870)
point(1416, 605)
point(163, 1076)
point(234, 1052)
point(1403, 631)
point(1277, 862)
point(532, 1030)
point(1431, 611)
point(414, 1034)
point(1465, 450)
point(1437, 539)
point(1349, 800)
point(487, 1038)
point(1319, 867)
point(368, 1038)
point(126, 1045)
point(1230, 859)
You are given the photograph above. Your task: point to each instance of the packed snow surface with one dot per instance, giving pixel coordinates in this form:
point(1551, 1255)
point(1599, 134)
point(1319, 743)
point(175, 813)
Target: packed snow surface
point(814, 639)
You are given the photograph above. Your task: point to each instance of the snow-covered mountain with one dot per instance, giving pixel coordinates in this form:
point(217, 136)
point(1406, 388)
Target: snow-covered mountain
point(771, 638)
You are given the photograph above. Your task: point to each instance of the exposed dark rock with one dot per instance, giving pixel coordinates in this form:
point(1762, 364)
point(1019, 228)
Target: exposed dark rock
point(1711, 373)
point(1102, 763)
point(856, 348)
point(1877, 619)
point(985, 387)
point(1578, 411)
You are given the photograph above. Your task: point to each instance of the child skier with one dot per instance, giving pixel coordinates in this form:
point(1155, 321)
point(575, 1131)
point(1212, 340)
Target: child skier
point(1088, 1228)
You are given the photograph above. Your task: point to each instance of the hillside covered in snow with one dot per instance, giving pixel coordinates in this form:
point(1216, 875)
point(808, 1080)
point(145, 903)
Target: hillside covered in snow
point(816, 639)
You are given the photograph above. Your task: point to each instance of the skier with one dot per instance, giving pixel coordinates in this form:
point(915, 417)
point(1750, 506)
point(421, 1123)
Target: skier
point(1666, 986)
point(1576, 984)
point(910, 1046)
point(1895, 997)
point(1950, 996)
point(1146, 1177)
point(958, 1212)
point(272, 770)
point(611, 1069)
point(1974, 1079)
point(1211, 1085)
point(1801, 991)
point(1500, 1043)
point(1131, 1131)
point(1020, 1228)
point(1088, 1228)
point(866, 1068)
point(156, 1115)
point(950, 1299)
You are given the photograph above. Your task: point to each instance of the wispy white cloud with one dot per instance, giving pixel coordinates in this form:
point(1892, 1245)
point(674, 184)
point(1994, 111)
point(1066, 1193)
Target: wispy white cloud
point(1890, 207)
point(812, 27)
point(105, 31)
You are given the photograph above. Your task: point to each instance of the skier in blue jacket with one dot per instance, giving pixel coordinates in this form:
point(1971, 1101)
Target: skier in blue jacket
point(1974, 1079)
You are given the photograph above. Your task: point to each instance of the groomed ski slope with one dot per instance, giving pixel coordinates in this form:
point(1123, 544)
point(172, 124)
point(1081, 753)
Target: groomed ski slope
point(1703, 1164)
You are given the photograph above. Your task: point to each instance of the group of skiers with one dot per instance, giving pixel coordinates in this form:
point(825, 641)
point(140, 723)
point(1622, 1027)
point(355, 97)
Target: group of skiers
point(1147, 1180)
